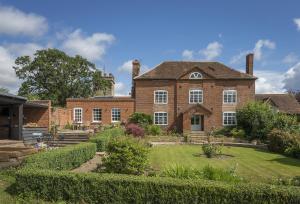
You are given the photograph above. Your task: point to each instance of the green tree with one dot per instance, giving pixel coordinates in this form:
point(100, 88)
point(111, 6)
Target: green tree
point(4, 90)
point(256, 119)
point(54, 75)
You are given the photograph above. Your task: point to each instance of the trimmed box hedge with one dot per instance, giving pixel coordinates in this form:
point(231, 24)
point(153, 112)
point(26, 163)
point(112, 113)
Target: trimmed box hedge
point(114, 188)
point(65, 158)
point(101, 139)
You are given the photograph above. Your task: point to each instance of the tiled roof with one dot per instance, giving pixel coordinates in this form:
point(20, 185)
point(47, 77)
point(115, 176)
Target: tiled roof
point(175, 69)
point(286, 103)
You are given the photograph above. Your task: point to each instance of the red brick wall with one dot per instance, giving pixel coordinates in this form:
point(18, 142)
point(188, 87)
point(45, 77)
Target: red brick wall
point(61, 116)
point(125, 104)
point(39, 115)
point(178, 99)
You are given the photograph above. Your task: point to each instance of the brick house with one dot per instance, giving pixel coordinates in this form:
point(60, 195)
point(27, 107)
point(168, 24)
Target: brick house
point(180, 95)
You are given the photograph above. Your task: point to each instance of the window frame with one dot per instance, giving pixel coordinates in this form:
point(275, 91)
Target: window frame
point(235, 121)
point(115, 121)
point(202, 96)
point(74, 115)
point(154, 121)
point(161, 91)
point(232, 90)
point(193, 75)
point(93, 115)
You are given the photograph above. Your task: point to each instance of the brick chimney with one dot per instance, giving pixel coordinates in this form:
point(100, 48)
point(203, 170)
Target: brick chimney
point(249, 63)
point(135, 72)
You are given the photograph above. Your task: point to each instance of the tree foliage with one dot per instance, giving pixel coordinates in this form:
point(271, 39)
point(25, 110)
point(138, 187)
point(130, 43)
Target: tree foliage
point(4, 90)
point(54, 75)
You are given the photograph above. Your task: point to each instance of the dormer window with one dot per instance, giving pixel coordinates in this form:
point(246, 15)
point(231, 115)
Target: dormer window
point(196, 75)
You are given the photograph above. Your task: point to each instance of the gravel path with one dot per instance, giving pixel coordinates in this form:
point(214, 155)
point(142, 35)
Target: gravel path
point(91, 164)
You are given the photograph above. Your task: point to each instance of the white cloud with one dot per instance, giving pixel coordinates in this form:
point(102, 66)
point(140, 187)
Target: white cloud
point(269, 81)
point(16, 22)
point(127, 67)
point(292, 77)
point(260, 44)
point(188, 54)
point(21, 49)
point(8, 54)
point(212, 50)
point(121, 89)
point(297, 22)
point(257, 50)
point(8, 77)
point(291, 58)
point(91, 47)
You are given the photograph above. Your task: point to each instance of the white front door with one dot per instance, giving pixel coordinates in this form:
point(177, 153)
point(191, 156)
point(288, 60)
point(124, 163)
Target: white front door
point(196, 123)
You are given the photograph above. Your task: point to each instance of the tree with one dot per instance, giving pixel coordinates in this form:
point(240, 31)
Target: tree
point(54, 75)
point(296, 94)
point(4, 90)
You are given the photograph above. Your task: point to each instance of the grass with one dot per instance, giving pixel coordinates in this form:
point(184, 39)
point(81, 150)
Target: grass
point(252, 164)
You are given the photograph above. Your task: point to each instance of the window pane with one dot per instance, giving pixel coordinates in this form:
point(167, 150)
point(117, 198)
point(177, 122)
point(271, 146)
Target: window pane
point(161, 118)
point(116, 114)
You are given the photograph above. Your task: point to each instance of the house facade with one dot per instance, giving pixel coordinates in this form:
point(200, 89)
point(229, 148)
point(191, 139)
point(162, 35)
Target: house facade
point(182, 96)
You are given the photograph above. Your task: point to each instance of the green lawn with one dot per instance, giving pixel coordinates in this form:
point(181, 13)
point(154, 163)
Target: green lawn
point(252, 164)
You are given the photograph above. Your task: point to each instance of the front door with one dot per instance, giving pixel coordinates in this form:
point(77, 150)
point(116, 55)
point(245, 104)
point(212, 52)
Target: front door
point(196, 123)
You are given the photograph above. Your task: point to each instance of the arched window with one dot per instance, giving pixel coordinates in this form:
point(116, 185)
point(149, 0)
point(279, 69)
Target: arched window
point(196, 75)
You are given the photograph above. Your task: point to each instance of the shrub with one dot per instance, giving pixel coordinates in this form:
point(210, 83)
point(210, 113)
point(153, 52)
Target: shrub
point(126, 156)
point(141, 118)
point(101, 139)
point(295, 181)
point(114, 188)
point(65, 158)
point(256, 119)
point(284, 142)
point(225, 131)
point(153, 130)
point(211, 150)
point(286, 123)
point(218, 174)
point(135, 130)
point(238, 133)
point(182, 172)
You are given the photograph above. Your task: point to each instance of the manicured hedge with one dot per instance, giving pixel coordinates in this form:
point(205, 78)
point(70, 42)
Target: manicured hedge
point(113, 188)
point(65, 158)
point(101, 139)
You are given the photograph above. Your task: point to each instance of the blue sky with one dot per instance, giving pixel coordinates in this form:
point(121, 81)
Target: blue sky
point(111, 33)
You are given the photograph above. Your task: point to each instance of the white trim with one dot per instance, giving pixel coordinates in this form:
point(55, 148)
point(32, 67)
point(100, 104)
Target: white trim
point(160, 112)
point(77, 108)
point(236, 96)
point(115, 121)
point(223, 118)
point(196, 89)
point(201, 76)
point(161, 91)
point(96, 121)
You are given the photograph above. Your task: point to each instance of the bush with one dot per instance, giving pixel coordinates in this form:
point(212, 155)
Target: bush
point(286, 123)
point(237, 133)
point(135, 130)
point(65, 158)
point(256, 119)
point(225, 131)
point(208, 172)
point(295, 181)
point(113, 188)
point(153, 130)
point(101, 139)
point(126, 156)
point(211, 150)
point(218, 174)
point(284, 142)
point(141, 119)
